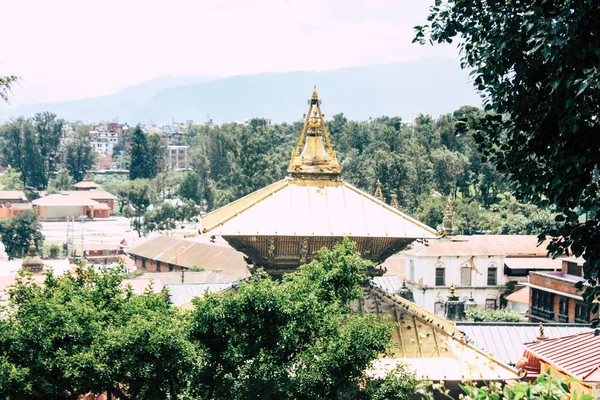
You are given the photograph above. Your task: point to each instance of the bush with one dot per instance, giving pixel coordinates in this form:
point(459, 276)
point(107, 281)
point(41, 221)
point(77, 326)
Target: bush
point(481, 315)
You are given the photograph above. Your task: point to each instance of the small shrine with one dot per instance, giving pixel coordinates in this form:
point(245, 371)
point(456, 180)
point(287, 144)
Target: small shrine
point(32, 262)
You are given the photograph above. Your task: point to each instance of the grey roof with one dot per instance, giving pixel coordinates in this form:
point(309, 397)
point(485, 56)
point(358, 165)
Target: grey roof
point(184, 293)
point(389, 283)
point(505, 339)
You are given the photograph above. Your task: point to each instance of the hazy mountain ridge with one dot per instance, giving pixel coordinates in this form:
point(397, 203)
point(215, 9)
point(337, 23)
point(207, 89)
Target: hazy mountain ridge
point(432, 86)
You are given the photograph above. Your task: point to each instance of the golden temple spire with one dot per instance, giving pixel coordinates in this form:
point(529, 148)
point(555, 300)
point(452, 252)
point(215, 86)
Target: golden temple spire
point(378, 193)
point(312, 161)
point(394, 203)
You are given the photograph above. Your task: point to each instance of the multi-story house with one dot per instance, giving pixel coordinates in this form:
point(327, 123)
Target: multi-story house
point(476, 265)
point(554, 297)
point(178, 157)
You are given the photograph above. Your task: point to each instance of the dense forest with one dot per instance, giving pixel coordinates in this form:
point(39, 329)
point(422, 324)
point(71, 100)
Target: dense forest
point(423, 163)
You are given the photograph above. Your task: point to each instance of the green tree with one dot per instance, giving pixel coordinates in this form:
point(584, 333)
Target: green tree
point(62, 181)
point(89, 333)
point(17, 230)
point(78, 154)
point(49, 132)
point(155, 155)
point(139, 155)
point(535, 63)
point(10, 179)
point(294, 339)
point(138, 195)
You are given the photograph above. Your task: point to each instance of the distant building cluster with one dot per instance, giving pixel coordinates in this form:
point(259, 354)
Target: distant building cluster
point(110, 139)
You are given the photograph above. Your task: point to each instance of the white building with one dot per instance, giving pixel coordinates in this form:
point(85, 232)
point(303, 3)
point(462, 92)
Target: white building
point(474, 264)
point(104, 142)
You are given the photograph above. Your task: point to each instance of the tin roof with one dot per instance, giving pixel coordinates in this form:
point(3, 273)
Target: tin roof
point(12, 195)
point(576, 355)
point(65, 199)
point(295, 207)
point(506, 340)
point(86, 183)
point(481, 245)
point(187, 253)
point(95, 194)
point(182, 294)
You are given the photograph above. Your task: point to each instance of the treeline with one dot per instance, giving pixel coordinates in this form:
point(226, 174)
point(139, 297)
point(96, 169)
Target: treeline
point(422, 163)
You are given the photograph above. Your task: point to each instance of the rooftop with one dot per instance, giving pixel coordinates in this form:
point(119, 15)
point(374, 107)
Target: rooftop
point(506, 340)
point(577, 355)
point(65, 199)
point(187, 253)
point(12, 195)
point(481, 245)
point(95, 194)
point(86, 184)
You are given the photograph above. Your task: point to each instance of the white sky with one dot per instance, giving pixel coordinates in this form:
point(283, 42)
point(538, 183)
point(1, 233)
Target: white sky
point(67, 49)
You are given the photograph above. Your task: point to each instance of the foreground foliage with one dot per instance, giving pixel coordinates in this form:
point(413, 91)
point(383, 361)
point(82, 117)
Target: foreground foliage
point(18, 230)
point(536, 64)
point(291, 339)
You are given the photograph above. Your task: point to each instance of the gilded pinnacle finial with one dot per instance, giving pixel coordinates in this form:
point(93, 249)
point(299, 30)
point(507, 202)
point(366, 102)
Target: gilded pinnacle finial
point(453, 290)
point(394, 203)
point(541, 336)
point(448, 208)
point(378, 193)
point(314, 156)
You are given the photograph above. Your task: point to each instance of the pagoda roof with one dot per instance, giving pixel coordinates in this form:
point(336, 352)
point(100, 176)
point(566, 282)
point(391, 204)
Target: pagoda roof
point(300, 207)
point(313, 200)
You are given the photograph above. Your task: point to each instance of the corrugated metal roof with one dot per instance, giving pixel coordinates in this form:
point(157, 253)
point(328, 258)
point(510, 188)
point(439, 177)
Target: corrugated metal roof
point(181, 294)
point(389, 283)
point(95, 194)
point(481, 245)
point(12, 195)
point(67, 199)
point(188, 253)
point(507, 340)
point(577, 355)
point(173, 278)
point(313, 208)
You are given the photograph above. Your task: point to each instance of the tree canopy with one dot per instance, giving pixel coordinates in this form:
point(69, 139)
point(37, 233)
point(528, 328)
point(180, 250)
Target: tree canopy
point(536, 64)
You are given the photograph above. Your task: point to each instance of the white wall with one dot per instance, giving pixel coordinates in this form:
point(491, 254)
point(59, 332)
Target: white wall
point(63, 211)
point(426, 293)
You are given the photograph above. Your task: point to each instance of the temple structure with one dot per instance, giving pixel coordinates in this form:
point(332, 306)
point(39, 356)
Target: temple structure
point(280, 226)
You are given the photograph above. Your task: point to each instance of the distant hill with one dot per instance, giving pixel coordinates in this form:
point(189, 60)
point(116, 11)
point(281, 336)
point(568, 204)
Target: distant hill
point(431, 86)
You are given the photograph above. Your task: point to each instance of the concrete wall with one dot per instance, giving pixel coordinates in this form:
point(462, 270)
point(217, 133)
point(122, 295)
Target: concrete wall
point(421, 275)
point(64, 211)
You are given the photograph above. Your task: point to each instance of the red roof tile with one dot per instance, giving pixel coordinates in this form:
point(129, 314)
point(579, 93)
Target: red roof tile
point(577, 355)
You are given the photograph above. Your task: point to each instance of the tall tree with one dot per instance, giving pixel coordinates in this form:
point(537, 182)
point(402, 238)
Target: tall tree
point(138, 155)
point(78, 154)
point(49, 132)
point(536, 64)
point(155, 155)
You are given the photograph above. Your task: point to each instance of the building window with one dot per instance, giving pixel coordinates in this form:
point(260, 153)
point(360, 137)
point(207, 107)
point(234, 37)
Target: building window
point(412, 271)
point(542, 304)
point(465, 274)
point(582, 313)
point(563, 309)
point(492, 275)
point(574, 269)
point(490, 304)
point(440, 275)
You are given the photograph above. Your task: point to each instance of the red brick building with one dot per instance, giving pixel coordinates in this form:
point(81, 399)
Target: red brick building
point(554, 296)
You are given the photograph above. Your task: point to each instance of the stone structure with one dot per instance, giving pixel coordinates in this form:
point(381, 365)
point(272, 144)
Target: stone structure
point(32, 262)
